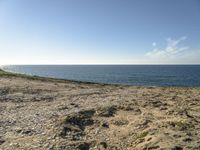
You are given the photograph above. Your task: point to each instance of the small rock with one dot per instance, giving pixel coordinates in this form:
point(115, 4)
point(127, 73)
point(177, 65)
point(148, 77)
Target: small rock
point(27, 132)
point(177, 148)
point(46, 145)
point(50, 147)
point(18, 130)
point(163, 108)
point(105, 125)
point(2, 141)
point(83, 146)
point(102, 146)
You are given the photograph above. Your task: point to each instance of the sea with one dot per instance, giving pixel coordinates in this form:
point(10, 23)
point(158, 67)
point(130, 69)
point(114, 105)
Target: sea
point(138, 75)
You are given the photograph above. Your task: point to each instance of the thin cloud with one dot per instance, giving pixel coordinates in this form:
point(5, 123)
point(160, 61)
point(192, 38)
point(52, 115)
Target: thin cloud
point(154, 44)
point(172, 49)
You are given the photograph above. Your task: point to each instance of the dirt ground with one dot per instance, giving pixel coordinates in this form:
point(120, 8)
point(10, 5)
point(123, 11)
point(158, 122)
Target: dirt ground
point(38, 114)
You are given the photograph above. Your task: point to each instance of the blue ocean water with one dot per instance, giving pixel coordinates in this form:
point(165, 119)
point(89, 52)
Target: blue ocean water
point(149, 75)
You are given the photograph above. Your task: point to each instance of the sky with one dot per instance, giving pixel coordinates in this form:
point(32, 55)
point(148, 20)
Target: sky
point(99, 32)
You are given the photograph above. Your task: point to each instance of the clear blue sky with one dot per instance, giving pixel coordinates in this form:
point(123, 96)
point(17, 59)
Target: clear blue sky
point(99, 31)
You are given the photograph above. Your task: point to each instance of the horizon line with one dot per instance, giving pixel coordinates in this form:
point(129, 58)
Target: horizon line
point(87, 64)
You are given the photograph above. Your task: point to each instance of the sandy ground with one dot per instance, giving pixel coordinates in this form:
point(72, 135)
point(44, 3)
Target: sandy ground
point(50, 115)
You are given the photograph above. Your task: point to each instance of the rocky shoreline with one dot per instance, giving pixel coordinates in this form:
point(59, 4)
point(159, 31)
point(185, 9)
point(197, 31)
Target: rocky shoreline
point(50, 114)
